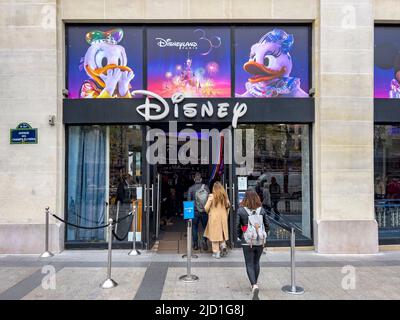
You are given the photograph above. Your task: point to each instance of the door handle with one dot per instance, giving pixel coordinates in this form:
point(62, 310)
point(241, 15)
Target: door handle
point(152, 196)
point(233, 196)
point(145, 197)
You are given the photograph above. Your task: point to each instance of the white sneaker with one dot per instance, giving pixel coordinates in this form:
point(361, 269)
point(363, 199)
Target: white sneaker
point(255, 291)
point(216, 255)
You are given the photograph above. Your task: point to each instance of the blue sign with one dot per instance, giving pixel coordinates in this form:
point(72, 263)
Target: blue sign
point(23, 134)
point(188, 209)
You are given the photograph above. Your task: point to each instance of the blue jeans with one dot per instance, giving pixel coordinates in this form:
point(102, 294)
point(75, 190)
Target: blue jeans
point(203, 217)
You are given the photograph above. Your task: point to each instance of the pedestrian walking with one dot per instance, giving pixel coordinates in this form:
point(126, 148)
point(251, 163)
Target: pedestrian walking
point(252, 227)
point(217, 207)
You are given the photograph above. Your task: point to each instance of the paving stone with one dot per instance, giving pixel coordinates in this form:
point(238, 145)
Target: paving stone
point(11, 276)
point(84, 283)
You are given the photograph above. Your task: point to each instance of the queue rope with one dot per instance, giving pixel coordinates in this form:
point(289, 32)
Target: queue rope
point(80, 227)
point(126, 234)
point(91, 228)
point(89, 220)
point(123, 218)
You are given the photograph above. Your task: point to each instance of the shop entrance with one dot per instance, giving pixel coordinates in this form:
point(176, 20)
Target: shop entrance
point(169, 184)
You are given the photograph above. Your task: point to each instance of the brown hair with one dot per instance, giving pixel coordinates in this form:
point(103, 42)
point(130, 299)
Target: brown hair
point(251, 200)
point(220, 196)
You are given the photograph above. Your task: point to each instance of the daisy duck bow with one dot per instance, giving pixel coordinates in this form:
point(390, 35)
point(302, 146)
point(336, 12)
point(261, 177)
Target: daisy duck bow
point(270, 65)
point(105, 62)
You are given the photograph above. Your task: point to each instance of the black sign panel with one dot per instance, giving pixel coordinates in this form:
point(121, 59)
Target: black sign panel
point(134, 111)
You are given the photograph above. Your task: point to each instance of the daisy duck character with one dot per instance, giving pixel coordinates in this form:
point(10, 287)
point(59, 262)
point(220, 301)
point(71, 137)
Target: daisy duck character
point(394, 91)
point(270, 65)
point(105, 62)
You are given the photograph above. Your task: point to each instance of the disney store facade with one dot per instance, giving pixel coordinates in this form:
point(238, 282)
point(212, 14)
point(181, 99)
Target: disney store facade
point(195, 88)
point(304, 93)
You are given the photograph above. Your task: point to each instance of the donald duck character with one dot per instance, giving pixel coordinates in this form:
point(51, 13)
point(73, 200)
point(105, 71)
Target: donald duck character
point(105, 62)
point(270, 65)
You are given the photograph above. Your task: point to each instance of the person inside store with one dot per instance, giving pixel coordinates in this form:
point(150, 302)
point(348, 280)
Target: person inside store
point(121, 189)
point(275, 193)
point(198, 193)
point(266, 199)
point(170, 205)
point(251, 210)
point(217, 207)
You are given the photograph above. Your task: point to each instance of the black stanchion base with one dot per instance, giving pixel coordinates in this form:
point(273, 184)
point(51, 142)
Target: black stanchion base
point(194, 256)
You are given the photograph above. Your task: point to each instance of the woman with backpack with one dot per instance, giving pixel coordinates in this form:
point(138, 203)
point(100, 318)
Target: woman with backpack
point(217, 207)
point(252, 227)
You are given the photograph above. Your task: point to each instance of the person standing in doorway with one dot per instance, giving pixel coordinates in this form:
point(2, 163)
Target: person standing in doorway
point(251, 214)
point(198, 193)
point(275, 192)
point(217, 207)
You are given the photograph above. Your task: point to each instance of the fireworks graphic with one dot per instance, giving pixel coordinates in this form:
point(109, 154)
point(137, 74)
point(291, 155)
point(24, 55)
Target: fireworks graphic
point(212, 68)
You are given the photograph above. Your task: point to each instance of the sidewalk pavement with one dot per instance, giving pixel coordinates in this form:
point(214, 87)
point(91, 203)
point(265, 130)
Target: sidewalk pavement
point(78, 274)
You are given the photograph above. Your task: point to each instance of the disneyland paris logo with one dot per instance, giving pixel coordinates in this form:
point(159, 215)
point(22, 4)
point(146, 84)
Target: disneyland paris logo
point(182, 45)
point(189, 146)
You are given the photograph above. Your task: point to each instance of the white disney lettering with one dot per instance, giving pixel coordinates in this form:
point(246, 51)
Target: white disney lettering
point(147, 106)
point(159, 111)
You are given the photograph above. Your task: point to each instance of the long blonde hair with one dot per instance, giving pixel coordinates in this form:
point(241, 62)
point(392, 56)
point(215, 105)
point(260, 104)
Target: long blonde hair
point(220, 195)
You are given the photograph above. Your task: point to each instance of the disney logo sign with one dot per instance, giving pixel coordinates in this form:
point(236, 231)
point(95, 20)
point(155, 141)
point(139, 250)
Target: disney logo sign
point(182, 45)
point(160, 109)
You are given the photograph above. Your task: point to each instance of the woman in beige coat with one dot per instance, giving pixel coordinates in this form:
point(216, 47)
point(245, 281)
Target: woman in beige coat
point(217, 207)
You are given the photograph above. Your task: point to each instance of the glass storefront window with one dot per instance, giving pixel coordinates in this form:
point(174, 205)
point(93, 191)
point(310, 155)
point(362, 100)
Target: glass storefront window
point(387, 181)
point(281, 175)
point(125, 182)
point(86, 182)
point(104, 166)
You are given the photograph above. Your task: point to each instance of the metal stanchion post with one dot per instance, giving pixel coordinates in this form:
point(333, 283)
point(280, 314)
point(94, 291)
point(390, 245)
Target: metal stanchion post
point(109, 282)
point(189, 277)
point(292, 288)
point(46, 253)
point(134, 251)
point(189, 235)
point(117, 217)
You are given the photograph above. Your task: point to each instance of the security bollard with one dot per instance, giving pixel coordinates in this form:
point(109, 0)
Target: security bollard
point(292, 288)
point(109, 282)
point(189, 277)
point(46, 253)
point(134, 251)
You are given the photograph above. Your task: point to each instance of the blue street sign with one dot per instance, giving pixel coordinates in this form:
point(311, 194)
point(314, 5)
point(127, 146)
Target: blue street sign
point(188, 210)
point(23, 134)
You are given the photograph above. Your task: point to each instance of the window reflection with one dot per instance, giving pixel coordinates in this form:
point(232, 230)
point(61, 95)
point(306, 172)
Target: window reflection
point(125, 176)
point(387, 180)
point(281, 175)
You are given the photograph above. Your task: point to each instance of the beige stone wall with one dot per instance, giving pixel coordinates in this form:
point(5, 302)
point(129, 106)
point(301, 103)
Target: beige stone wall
point(28, 85)
point(32, 77)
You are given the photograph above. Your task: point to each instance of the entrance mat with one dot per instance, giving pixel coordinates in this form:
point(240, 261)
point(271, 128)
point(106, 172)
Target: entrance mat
point(168, 236)
point(168, 245)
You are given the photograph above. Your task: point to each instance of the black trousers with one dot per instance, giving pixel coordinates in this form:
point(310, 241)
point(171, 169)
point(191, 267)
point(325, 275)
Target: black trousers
point(252, 257)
